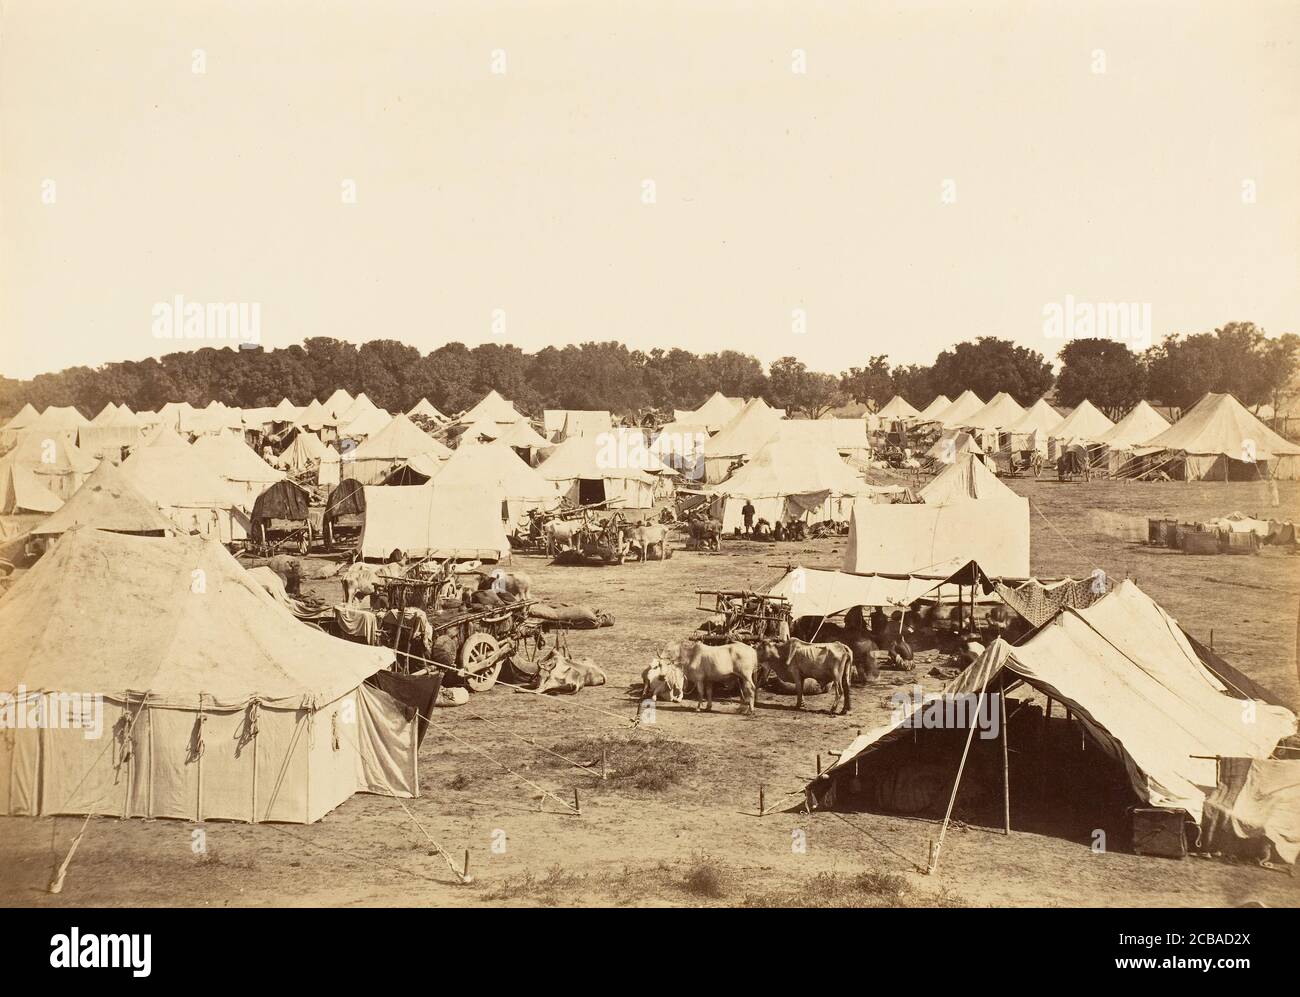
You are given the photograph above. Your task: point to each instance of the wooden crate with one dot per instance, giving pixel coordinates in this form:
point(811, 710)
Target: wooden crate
point(1157, 831)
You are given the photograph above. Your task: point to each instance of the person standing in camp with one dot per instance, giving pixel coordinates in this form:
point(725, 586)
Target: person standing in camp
point(748, 512)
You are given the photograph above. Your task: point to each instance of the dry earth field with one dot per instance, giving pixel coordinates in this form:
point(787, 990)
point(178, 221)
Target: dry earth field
point(695, 839)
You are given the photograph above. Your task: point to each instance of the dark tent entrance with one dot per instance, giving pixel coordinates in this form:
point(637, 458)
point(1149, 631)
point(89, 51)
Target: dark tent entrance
point(591, 491)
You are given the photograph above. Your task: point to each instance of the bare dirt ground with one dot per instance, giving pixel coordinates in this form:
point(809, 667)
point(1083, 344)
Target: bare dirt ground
point(695, 839)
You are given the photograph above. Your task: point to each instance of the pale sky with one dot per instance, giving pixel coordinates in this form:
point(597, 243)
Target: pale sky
point(523, 191)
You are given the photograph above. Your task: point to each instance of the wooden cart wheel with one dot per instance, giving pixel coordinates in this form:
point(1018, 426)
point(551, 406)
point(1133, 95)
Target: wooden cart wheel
point(475, 654)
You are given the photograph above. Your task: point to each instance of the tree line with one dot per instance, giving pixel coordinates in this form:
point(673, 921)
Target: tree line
point(1237, 358)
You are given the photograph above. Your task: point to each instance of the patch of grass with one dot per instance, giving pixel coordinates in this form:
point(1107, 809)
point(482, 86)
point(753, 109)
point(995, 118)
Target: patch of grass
point(866, 889)
point(647, 763)
point(705, 878)
point(459, 781)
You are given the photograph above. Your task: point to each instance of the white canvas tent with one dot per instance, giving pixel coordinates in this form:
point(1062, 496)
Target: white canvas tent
point(789, 480)
point(588, 469)
point(167, 471)
point(956, 414)
point(898, 407)
point(369, 421)
point(427, 409)
point(491, 408)
point(23, 418)
point(234, 461)
point(1034, 428)
point(967, 478)
point(52, 459)
point(936, 408)
point(500, 477)
point(216, 702)
point(1219, 439)
point(741, 438)
point(1000, 413)
point(926, 537)
point(1086, 424)
point(338, 403)
point(426, 520)
point(1126, 441)
point(107, 501)
point(307, 452)
point(398, 441)
point(715, 413)
point(1131, 678)
point(680, 445)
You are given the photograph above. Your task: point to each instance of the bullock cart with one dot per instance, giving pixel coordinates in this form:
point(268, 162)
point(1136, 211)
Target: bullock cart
point(476, 640)
point(740, 616)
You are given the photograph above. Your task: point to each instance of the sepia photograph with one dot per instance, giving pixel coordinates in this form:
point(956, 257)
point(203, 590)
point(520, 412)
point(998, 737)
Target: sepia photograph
point(669, 453)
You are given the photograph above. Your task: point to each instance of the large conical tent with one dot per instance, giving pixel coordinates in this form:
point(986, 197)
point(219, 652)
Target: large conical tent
point(790, 479)
point(316, 417)
point(898, 407)
point(500, 476)
point(587, 469)
point(491, 408)
point(741, 438)
point(108, 501)
point(105, 415)
point(400, 440)
point(427, 409)
point(1039, 419)
point(1219, 438)
point(936, 408)
point(236, 462)
point(368, 422)
point(213, 694)
point(1135, 429)
point(967, 478)
point(715, 413)
point(167, 471)
point(1132, 681)
point(1086, 424)
point(338, 403)
point(959, 412)
point(359, 407)
point(1000, 413)
point(57, 418)
point(23, 418)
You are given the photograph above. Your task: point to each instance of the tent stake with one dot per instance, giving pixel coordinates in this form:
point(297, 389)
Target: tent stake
point(760, 799)
point(56, 884)
point(1006, 765)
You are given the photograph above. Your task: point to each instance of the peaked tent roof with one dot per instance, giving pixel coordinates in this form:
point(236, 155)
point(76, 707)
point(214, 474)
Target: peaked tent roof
point(107, 501)
point(1086, 424)
point(1001, 411)
point(1144, 695)
point(125, 417)
point(932, 411)
point(1219, 424)
point(956, 414)
point(427, 409)
point(59, 417)
point(105, 415)
point(493, 466)
point(234, 460)
point(46, 452)
point(585, 422)
point(338, 403)
point(359, 406)
point(968, 478)
point(952, 443)
point(399, 440)
point(427, 520)
point(368, 422)
point(793, 466)
point(23, 418)
point(520, 434)
point(232, 642)
point(591, 458)
point(316, 415)
point(1040, 417)
point(174, 475)
point(898, 407)
point(746, 432)
point(715, 413)
point(491, 408)
point(1140, 425)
